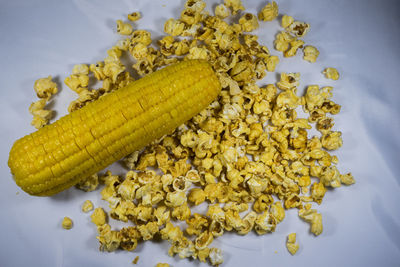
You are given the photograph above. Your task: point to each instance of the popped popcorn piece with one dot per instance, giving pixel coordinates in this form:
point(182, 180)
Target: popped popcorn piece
point(215, 256)
point(286, 21)
point(45, 87)
point(269, 12)
point(87, 206)
point(174, 27)
point(315, 219)
point(291, 244)
point(288, 81)
point(67, 223)
point(221, 11)
point(248, 22)
point(347, 179)
point(298, 28)
point(89, 184)
point(331, 73)
point(134, 16)
point(235, 5)
point(332, 140)
point(197, 196)
point(80, 69)
point(41, 116)
point(124, 28)
point(99, 217)
point(310, 53)
point(109, 240)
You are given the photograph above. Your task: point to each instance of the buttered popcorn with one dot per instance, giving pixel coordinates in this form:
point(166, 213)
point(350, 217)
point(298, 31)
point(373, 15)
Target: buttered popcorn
point(248, 156)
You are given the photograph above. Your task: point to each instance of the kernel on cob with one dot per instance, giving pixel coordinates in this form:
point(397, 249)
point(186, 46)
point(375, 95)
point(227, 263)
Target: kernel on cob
point(86, 141)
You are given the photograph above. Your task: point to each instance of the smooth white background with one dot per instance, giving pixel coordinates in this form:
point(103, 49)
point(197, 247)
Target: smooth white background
point(361, 222)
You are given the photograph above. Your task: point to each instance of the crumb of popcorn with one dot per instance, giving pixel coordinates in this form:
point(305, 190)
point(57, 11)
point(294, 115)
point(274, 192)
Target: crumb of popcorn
point(291, 244)
point(331, 73)
point(135, 260)
point(87, 206)
point(134, 16)
point(99, 217)
point(67, 223)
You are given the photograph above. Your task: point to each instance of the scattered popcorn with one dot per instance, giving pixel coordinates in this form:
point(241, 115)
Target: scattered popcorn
point(87, 206)
point(291, 244)
point(269, 12)
point(162, 184)
point(67, 223)
point(331, 73)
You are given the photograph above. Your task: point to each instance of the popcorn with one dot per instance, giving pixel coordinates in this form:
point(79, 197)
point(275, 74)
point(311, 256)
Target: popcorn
point(332, 140)
point(109, 240)
point(269, 12)
point(215, 256)
point(221, 11)
point(318, 191)
point(197, 196)
point(235, 5)
point(135, 261)
point(248, 22)
point(331, 73)
point(298, 28)
point(310, 53)
point(134, 16)
point(291, 244)
point(181, 213)
point(45, 87)
point(174, 27)
point(67, 223)
point(41, 116)
point(265, 223)
point(175, 199)
point(99, 217)
point(89, 184)
point(87, 206)
point(347, 179)
point(124, 28)
point(161, 264)
point(286, 21)
point(315, 219)
point(288, 81)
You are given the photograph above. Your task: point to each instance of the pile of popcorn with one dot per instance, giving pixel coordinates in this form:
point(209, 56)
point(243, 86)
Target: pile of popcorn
point(247, 156)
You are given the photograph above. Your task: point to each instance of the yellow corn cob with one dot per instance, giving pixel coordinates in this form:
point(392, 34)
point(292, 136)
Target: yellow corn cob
point(86, 141)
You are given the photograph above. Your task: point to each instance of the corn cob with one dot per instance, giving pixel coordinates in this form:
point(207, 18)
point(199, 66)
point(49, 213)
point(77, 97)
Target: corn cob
point(86, 141)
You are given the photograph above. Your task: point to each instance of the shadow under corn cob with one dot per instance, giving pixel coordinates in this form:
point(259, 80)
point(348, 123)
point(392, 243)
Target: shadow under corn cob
point(86, 141)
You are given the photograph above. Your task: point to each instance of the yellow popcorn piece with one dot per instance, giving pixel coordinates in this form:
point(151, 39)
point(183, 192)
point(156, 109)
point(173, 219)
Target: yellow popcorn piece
point(181, 213)
point(332, 140)
point(298, 28)
point(197, 196)
point(215, 256)
point(311, 53)
point(315, 219)
point(87, 206)
point(134, 16)
point(265, 223)
point(174, 27)
point(269, 12)
point(235, 5)
point(271, 63)
point(67, 223)
point(89, 184)
point(277, 211)
point(41, 116)
point(288, 80)
point(286, 21)
point(109, 240)
point(294, 46)
point(197, 53)
point(99, 217)
point(221, 11)
point(45, 87)
point(331, 73)
point(291, 244)
point(124, 28)
point(160, 264)
point(80, 69)
point(147, 231)
point(248, 22)
point(347, 179)
point(175, 199)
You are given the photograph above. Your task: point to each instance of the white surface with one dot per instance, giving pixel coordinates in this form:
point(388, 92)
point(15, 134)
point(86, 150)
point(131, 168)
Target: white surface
point(361, 222)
